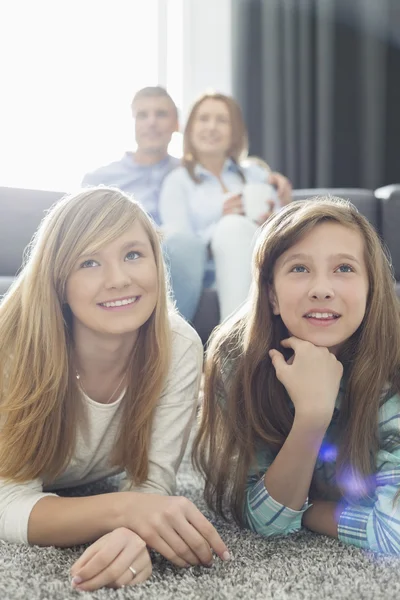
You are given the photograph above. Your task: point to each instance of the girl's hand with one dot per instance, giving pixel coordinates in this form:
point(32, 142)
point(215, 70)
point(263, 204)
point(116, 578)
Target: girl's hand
point(107, 562)
point(174, 527)
point(311, 378)
point(233, 205)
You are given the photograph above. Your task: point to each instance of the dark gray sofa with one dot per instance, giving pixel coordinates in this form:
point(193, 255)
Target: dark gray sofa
point(21, 211)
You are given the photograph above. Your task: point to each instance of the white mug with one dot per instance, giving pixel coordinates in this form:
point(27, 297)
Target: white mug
point(257, 198)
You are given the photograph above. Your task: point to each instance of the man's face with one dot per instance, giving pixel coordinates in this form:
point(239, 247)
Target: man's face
point(155, 122)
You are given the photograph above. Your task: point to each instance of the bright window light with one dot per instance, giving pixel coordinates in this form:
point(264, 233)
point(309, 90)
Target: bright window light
point(68, 72)
point(175, 65)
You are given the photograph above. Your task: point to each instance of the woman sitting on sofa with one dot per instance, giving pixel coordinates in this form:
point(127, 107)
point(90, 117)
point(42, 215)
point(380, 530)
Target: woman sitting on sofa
point(205, 195)
point(99, 376)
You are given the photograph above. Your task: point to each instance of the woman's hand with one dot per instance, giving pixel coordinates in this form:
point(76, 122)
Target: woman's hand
point(108, 562)
point(283, 187)
point(311, 378)
point(266, 215)
point(172, 526)
point(233, 205)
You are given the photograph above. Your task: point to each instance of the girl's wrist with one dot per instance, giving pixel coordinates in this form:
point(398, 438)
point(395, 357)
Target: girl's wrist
point(121, 506)
point(316, 423)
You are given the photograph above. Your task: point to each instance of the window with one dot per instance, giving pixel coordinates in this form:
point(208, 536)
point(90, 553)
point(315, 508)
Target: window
point(69, 71)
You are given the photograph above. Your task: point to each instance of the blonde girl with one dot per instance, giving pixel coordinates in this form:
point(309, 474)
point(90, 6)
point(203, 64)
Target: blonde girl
point(98, 376)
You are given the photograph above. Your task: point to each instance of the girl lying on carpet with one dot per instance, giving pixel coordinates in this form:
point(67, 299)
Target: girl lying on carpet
point(301, 420)
point(99, 376)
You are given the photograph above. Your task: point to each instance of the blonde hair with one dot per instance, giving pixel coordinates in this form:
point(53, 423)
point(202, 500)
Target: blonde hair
point(239, 142)
point(246, 406)
point(40, 403)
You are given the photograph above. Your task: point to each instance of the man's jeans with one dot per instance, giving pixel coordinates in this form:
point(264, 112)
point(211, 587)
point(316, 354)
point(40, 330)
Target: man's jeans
point(185, 256)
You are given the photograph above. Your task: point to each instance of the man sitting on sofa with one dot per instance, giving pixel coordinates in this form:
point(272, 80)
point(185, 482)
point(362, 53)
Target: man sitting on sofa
point(142, 173)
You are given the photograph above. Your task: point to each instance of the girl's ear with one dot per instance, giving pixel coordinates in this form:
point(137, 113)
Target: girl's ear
point(273, 300)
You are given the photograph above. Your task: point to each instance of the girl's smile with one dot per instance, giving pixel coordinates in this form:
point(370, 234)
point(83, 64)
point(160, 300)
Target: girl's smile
point(120, 303)
point(321, 317)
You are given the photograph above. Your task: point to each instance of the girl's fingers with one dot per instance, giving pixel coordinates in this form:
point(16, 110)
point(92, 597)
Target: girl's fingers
point(113, 571)
point(143, 572)
point(209, 533)
point(160, 545)
point(99, 561)
point(86, 556)
point(276, 357)
point(140, 564)
point(289, 342)
point(186, 542)
point(194, 541)
point(278, 362)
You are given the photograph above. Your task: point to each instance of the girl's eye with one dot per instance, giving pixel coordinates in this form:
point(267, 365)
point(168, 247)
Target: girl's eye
point(299, 269)
point(345, 269)
point(88, 263)
point(132, 255)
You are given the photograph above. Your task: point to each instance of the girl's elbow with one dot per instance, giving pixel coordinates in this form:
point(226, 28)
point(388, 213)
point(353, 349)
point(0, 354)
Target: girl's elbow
point(271, 529)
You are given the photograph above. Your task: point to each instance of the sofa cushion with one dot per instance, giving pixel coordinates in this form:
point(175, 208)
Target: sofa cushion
point(364, 200)
point(389, 197)
point(21, 212)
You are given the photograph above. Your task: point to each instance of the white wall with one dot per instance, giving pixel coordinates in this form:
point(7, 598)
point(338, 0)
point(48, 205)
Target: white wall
point(207, 55)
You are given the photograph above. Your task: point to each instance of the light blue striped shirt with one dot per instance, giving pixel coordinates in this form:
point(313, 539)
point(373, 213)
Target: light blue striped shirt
point(370, 524)
point(196, 207)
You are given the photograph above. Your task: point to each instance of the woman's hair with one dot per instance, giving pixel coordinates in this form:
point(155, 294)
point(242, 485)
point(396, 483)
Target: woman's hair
point(258, 162)
point(40, 402)
point(239, 142)
point(247, 408)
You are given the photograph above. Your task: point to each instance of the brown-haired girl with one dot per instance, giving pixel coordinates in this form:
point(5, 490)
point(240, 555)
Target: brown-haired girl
point(98, 376)
point(301, 420)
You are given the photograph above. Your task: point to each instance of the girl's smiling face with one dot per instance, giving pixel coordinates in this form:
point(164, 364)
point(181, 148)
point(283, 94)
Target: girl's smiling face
point(114, 291)
point(320, 285)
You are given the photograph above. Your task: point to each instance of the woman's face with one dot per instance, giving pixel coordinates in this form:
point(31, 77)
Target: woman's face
point(321, 286)
point(212, 129)
point(114, 291)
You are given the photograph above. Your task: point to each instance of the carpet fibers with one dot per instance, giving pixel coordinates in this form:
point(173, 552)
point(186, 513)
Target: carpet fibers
point(303, 566)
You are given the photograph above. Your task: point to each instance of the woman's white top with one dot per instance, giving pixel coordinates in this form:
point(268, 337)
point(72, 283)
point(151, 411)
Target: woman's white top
point(195, 208)
point(173, 419)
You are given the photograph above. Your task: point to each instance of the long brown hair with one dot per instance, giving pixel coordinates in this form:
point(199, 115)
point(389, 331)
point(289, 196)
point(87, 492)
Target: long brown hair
point(40, 403)
point(246, 407)
point(239, 143)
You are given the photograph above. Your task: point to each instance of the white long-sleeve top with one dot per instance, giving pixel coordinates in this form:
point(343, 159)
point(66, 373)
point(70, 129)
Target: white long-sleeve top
point(172, 422)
